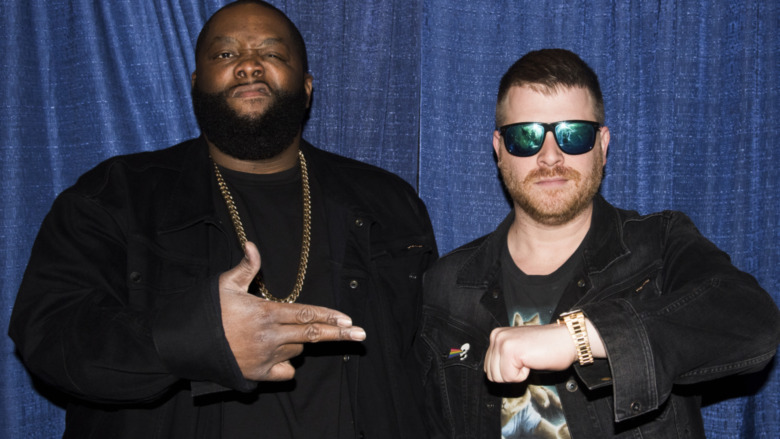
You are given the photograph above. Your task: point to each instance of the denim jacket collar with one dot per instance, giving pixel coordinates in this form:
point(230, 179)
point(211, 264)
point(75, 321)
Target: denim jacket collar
point(604, 243)
point(484, 265)
point(603, 246)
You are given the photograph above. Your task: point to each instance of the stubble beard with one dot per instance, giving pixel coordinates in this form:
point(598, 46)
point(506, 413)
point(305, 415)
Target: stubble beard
point(553, 207)
point(250, 137)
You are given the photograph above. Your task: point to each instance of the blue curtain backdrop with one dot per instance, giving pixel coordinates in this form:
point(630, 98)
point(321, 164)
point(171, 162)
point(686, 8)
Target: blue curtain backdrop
point(692, 94)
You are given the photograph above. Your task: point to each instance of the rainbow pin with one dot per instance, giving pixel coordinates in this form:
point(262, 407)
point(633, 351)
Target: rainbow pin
point(463, 352)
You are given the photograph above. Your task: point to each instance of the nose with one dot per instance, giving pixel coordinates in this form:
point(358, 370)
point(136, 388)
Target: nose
point(551, 154)
point(249, 66)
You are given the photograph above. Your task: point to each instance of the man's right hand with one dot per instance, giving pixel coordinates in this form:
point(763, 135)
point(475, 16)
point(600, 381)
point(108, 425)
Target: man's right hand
point(264, 335)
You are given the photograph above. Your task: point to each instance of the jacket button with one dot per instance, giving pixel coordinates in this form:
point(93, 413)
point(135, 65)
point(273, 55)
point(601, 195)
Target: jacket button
point(359, 222)
point(636, 406)
point(345, 358)
point(353, 284)
point(581, 283)
point(135, 277)
point(571, 386)
point(495, 294)
point(413, 276)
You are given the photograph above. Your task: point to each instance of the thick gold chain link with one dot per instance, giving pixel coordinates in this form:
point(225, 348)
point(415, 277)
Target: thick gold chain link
point(239, 226)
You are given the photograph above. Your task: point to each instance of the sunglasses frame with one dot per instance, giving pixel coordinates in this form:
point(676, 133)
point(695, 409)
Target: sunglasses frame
point(550, 127)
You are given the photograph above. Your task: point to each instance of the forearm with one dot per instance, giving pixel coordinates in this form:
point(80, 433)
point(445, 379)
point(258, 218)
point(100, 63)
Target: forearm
point(725, 330)
point(89, 321)
point(105, 352)
point(91, 352)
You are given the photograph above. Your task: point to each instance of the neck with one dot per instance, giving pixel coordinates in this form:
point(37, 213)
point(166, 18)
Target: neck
point(281, 162)
point(539, 249)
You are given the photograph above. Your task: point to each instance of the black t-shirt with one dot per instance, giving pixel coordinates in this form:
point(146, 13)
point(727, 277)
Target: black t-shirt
point(315, 404)
point(533, 409)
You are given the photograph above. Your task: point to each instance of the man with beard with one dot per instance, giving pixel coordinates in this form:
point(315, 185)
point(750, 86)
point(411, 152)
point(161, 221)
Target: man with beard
point(192, 292)
point(614, 314)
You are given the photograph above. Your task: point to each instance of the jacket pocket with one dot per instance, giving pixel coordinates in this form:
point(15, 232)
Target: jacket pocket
point(152, 269)
point(457, 352)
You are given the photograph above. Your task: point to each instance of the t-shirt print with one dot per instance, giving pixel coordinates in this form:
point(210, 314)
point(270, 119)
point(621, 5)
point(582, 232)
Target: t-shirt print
point(538, 412)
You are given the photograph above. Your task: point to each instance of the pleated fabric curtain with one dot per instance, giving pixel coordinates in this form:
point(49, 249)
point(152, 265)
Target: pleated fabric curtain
point(692, 95)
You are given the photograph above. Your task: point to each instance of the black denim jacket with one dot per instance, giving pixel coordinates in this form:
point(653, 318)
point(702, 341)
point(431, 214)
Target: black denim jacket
point(119, 305)
point(671, 308)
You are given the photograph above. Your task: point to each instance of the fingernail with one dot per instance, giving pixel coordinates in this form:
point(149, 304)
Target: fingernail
point(344, 322)
point(357, 334)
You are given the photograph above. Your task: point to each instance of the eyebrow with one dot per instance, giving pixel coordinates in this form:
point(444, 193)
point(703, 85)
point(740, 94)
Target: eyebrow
point(227, 39)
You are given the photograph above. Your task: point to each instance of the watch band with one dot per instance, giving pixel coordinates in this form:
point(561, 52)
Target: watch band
point(575, 322)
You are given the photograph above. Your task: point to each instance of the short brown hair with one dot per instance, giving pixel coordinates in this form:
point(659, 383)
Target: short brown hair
point(549, 70)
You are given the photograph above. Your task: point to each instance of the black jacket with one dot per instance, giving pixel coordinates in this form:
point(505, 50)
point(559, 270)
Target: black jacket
point(670, 307)
point(119, 305)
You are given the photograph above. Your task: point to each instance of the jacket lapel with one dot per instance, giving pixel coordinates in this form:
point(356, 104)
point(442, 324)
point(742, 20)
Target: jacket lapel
point(483, 271)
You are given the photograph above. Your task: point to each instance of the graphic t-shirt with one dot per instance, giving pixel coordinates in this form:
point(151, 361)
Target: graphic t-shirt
point(533, 408)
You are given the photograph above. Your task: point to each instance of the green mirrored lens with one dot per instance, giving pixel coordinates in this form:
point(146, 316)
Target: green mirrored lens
point(524, 140)
point(575, 137)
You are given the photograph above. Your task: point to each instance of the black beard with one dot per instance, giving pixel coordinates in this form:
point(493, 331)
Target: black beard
point(250, 138)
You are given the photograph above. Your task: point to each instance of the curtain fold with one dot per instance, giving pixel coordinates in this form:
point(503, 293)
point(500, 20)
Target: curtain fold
point(691, 94)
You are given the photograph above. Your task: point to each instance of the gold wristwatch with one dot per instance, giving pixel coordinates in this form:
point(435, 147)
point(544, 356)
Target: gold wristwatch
point(575, 322)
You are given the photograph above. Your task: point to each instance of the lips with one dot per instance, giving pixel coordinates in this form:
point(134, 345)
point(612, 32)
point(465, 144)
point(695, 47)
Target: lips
point(552, 176)
point(551, 180)
point(551, 183)
point(250, 90)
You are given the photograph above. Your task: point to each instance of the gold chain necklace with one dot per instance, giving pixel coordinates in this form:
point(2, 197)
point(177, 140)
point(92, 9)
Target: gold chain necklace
point(239, 226)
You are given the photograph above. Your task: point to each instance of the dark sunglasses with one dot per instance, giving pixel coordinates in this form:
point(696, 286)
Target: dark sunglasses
point(574, 137)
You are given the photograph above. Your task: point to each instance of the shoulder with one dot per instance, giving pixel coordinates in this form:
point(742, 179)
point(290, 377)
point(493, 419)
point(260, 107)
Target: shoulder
point(350, 170)
point(136, 170)
point(460, 256)
point(365, 187)
point(630, 223)
point(463, 266)
point(660, 236)
point(474, 264)
point(631, 218)
point(662, 223)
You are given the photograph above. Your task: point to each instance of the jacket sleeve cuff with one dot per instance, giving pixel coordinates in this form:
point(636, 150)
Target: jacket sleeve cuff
point(190, 339)
point(630, 359)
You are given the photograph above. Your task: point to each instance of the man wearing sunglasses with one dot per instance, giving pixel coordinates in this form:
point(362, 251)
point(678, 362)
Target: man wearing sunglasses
point(575, 318)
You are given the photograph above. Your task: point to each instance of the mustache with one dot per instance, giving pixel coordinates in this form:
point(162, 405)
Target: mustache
point(556, 171)
point(229, 91)
point(244, 84)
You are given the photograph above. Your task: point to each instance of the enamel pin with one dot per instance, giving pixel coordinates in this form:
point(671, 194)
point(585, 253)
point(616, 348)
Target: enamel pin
point(463, 352)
